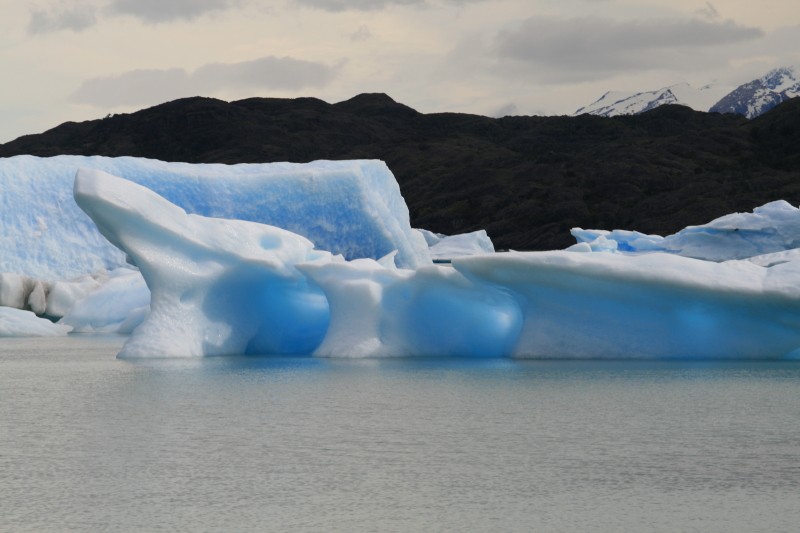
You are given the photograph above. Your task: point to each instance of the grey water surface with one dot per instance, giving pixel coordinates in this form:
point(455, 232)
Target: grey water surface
point(92, 443)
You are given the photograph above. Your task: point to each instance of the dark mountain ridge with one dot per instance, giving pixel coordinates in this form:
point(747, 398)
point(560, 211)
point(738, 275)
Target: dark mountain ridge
point(527, 180)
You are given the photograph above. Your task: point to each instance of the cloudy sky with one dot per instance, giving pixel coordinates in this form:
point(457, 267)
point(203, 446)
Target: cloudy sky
point(82, 59)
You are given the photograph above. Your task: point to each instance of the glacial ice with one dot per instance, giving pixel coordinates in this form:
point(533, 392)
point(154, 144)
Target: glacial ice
point(653, 305)
point(773, 227)
point(20, 323)
point(353, 208)
point(118, 305)
point(227, 286)
point(378, 311)
point(217, 286)
point(443, 247)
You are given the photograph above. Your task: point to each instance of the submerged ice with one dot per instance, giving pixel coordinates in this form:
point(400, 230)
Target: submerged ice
point(228, 286)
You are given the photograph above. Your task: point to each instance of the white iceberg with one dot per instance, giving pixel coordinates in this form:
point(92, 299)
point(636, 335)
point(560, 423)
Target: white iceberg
point(653, 305)
point(773, 227)
point(353, 208)
point(19, 323)
point(217, 286)
point(235, 287)
point(446, 247)
point(118, 305)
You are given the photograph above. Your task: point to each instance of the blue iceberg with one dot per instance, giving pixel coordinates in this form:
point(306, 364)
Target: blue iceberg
point(230, 287)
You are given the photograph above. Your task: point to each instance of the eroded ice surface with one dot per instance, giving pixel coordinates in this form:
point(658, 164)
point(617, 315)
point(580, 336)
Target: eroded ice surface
point(225, 286)
point(350, 207)
point(773, 227)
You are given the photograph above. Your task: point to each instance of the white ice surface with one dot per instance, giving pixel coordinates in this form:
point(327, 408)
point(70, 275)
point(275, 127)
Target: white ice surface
point(773, 227)
point(474, 243)
point(350, 207)
point(18, 323)
point(118, 305)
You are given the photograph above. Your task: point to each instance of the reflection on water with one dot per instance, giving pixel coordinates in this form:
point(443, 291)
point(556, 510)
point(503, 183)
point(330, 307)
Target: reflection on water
point(88, 442)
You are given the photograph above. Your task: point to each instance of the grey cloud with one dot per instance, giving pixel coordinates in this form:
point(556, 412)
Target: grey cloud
point(361, 34)
point(357, 5)
point(591, 48)
point(155, 11)
point(145, 87)
point(75, 18)
point(709, 11)
point(505, 111)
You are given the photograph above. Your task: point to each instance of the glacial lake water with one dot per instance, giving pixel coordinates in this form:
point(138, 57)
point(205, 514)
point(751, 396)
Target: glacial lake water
point(92, 443)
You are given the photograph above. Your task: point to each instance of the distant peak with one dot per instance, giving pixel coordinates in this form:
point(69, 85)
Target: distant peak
point(370, 99)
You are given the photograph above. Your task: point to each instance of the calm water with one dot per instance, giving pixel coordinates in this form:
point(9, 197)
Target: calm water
point(90, 443)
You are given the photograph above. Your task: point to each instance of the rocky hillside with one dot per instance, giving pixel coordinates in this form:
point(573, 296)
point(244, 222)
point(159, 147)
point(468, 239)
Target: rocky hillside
point(527, 180)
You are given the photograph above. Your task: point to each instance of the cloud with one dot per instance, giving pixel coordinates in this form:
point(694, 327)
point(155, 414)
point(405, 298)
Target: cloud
point(356, 5)
point(156, 11)
point(361, 34)
point(336, 6)
point(145, 87)
point(76, 18)
point(592, 47)
point(708, 11)
point(507, 110)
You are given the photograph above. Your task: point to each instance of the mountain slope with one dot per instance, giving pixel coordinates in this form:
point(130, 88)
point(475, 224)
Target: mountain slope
point(758, 96)
point(526, 180)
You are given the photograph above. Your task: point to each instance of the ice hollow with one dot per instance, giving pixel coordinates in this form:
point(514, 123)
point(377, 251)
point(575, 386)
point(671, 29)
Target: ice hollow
point(353, 208)
point(379, 312)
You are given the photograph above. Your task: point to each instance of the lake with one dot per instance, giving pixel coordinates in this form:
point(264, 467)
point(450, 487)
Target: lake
point(92, 443)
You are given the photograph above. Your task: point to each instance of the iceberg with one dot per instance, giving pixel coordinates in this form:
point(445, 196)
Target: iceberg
point(648, 306)
point(118, 305)
point(20, 323)
point(353, 208)
point(217, 286)
point(236, 287)
point(446, 247)
point(773, 227)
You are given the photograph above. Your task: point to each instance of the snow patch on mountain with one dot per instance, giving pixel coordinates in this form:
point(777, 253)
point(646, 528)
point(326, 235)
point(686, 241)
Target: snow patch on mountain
point(759, 96)
point(616, 103)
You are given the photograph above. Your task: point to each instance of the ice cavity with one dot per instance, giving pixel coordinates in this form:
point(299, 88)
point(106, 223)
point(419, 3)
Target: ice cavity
point(353, 208)
point(773, 227)
point(653, 305)
point(217, 286)
point(378, 311)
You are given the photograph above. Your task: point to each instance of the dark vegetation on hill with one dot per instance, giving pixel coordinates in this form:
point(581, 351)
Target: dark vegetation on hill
point(527, 180)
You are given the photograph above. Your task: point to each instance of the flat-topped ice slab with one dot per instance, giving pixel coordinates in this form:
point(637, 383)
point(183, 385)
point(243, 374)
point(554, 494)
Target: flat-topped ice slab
point(594, 305)
point(353, 208)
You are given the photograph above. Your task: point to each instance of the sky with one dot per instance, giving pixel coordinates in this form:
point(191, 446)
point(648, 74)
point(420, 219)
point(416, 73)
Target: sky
point(84, 59)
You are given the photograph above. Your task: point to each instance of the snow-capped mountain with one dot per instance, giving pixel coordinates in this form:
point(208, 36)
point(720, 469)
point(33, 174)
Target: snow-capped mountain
point(761, 95)
point(621, 103)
